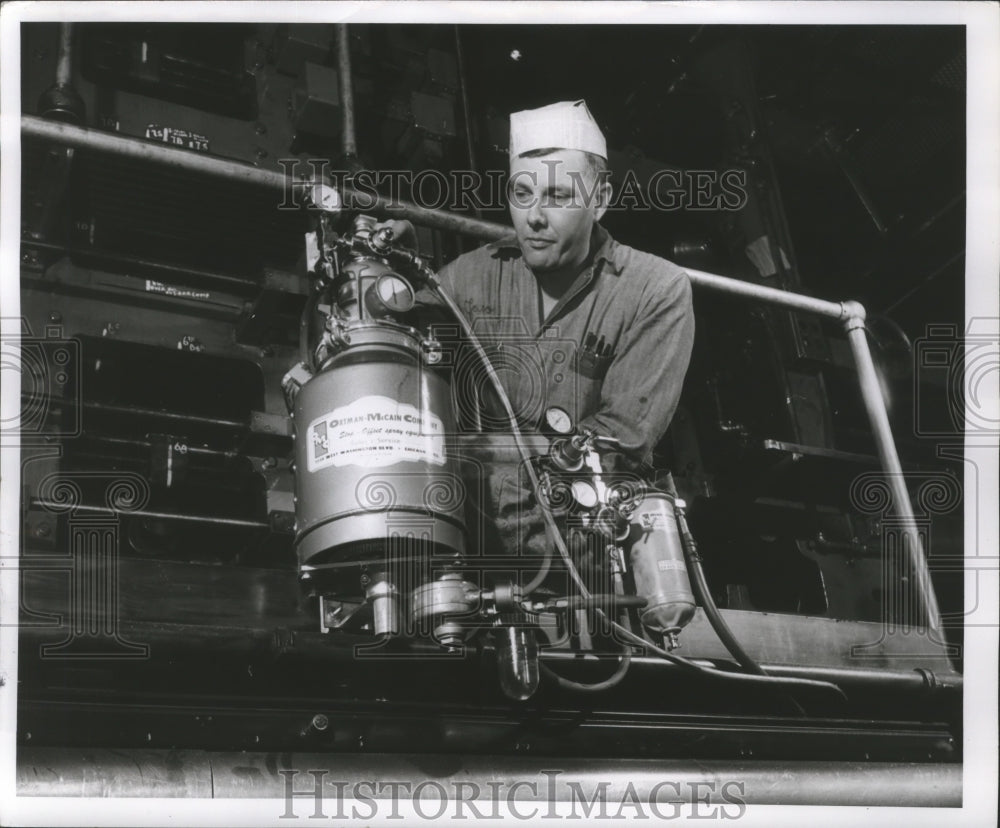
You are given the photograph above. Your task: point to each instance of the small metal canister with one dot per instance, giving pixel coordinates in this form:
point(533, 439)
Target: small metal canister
point(656, 559)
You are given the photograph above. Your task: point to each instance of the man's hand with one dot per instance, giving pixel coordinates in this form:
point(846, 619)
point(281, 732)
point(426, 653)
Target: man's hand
point(403, 232)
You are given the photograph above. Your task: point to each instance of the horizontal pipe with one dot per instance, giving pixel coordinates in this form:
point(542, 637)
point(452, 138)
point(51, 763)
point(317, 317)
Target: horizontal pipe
point(366, 201)
point(98, 772)
point(768, 295)
point(142, 150)
point(221, 168)
point(197, 162)
point(904, 681)
point(56, 506)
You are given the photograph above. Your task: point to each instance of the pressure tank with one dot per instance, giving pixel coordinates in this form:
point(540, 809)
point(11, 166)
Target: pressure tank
point(371, 458)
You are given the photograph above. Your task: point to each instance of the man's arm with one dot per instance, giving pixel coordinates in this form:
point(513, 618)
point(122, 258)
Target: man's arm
point(643, 384)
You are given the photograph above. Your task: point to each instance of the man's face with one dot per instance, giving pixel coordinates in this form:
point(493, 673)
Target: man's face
point(554, 203)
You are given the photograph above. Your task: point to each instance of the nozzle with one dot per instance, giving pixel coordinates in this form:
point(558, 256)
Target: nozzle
point(382, 239)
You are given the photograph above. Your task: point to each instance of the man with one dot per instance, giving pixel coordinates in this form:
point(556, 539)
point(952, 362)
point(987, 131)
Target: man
point(570, 317)
point(600, 329)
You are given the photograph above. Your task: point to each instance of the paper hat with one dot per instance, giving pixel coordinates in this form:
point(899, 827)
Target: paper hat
point(563, 125)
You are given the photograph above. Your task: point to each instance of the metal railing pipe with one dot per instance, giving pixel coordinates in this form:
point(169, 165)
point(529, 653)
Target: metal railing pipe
point(424, 216)
point(852, 315)
point(768, 295)
point(871, 394)
point(178, 158)
point(143, 150)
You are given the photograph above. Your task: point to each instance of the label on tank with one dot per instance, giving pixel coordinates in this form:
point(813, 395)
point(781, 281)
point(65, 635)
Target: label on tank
point(375, 431)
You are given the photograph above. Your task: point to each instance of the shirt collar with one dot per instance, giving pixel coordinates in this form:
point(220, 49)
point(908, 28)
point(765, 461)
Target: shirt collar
point(608, 249)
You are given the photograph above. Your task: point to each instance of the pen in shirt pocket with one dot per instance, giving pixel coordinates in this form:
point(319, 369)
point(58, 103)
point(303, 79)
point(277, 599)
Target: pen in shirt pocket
point(597, 347)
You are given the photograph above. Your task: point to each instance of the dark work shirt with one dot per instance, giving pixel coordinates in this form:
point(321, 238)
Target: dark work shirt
point(613, 352)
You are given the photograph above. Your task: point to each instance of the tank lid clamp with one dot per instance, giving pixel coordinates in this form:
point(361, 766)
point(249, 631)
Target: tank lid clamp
point(335, 614)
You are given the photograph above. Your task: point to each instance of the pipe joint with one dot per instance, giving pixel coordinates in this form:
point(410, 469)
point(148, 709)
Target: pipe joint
point(61, 102)
point(853, 314)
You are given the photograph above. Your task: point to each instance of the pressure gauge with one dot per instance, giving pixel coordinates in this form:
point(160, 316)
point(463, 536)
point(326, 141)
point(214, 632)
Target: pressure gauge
point(558, 420)
point(584, 493)
point(325, 198)
point(389, 295)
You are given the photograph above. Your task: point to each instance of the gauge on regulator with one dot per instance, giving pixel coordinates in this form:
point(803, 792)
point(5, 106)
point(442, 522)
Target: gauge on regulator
point(325, 197)
point(558, 421)
point(584, 493)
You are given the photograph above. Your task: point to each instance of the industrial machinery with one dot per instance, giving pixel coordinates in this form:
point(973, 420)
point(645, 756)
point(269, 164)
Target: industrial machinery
point(253, 421)
point(380, 532)
point(371, 424)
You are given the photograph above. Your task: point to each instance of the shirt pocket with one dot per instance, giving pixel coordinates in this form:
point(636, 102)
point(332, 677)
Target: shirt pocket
point(589, 371)
point(590, 366)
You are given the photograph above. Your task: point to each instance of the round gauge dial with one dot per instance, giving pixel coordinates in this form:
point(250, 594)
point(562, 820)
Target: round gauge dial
point(584, 493)
point(325, 197)
point(394, 293)
point(558, 420)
